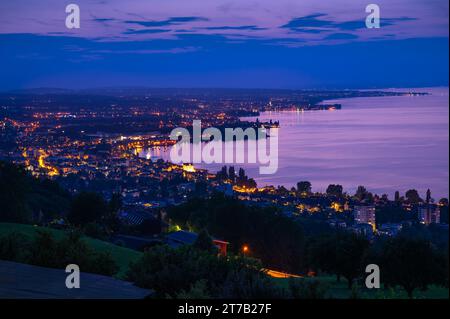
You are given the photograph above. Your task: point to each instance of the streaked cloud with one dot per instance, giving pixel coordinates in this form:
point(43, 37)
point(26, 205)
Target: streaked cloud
point(167, 22)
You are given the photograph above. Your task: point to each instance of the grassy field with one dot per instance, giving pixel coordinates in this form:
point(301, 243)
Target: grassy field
point(339, 290)
point(122, 256)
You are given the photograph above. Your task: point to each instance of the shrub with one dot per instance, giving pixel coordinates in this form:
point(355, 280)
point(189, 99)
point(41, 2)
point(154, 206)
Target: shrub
point(307, 289)
point(12, 247)
point(43, 250)
point(188, 271)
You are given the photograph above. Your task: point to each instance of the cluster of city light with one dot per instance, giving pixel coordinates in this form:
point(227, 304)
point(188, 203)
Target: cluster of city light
point(52, 171)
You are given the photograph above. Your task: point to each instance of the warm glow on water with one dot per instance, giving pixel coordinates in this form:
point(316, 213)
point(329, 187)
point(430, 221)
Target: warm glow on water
point(383, 143)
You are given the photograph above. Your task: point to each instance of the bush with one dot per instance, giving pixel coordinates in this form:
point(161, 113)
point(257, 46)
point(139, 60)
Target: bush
point(94, 230)
point(188, 271)
point(199, 290)
point(43, 250)
point(87, 208)
point(245, 284)
point(12, 247)
point(307, 289)
point(103, 263)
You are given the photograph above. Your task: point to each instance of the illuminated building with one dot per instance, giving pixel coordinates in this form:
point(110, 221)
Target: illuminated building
point(429, 214)
point(365, 215)
point(189, 168)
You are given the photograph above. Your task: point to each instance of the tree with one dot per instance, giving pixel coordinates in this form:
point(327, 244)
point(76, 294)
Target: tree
point(175, 272)
point(409, 263)
point(232, 173)
point(222, 174)
point(334, 190)
point(277, 240)
point(428, 199)
point(115, 204)
point(397, 196)
point(444, 210)
point(14, 192)
point(304, 187)
point(322, 254)
point(341, 254)
point(110, 218)
point(204, 242)
point(361, 193)
point(350, 252)
point(413, 196)
point(283, 191)
point(87, 208)
point(241, 173)
point(391, 213)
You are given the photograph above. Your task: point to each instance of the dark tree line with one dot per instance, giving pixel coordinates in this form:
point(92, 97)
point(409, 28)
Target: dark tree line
point(270, 236)
point(26, 199)
point(409, 260)
point(281, 243)
point(241, 179)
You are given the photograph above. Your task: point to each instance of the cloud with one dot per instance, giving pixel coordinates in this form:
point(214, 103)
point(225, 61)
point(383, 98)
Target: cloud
point(316, 23)
point(309, 21)
point(167, 22)
point(351, 25)
point(361, 24)
point(311, 31)
point(146, 31)
point(242, 27)
point(103, 19)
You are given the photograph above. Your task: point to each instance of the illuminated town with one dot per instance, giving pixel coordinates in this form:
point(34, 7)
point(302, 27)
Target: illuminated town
point(105, 149)
point(224, 158)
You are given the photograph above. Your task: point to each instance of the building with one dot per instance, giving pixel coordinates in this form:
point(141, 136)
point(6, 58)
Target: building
point(429, 214)
point(365, 215)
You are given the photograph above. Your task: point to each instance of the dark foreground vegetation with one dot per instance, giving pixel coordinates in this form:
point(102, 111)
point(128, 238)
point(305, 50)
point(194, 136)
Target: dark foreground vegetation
point(414, 260)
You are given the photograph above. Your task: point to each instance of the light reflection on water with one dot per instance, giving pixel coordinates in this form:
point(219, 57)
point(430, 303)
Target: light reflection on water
point(383, 143)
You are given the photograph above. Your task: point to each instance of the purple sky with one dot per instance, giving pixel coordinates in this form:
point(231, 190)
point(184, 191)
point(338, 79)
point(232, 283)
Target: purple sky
point(317, 22)
point(222, 43)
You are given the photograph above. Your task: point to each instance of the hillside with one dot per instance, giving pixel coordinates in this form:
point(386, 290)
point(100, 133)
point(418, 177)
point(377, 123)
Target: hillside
point(122, 256)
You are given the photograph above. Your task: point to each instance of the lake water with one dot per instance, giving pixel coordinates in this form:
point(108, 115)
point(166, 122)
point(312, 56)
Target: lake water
point(383, 143)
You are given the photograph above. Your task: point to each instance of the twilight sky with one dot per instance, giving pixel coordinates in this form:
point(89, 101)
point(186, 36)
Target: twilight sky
point(224, 43)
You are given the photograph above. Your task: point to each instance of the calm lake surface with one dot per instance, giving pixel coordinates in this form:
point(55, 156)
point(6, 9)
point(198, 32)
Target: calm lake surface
point(383, 143)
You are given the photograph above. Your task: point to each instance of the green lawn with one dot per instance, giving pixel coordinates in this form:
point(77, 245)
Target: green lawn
point(122, 256)
point(339, 290)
